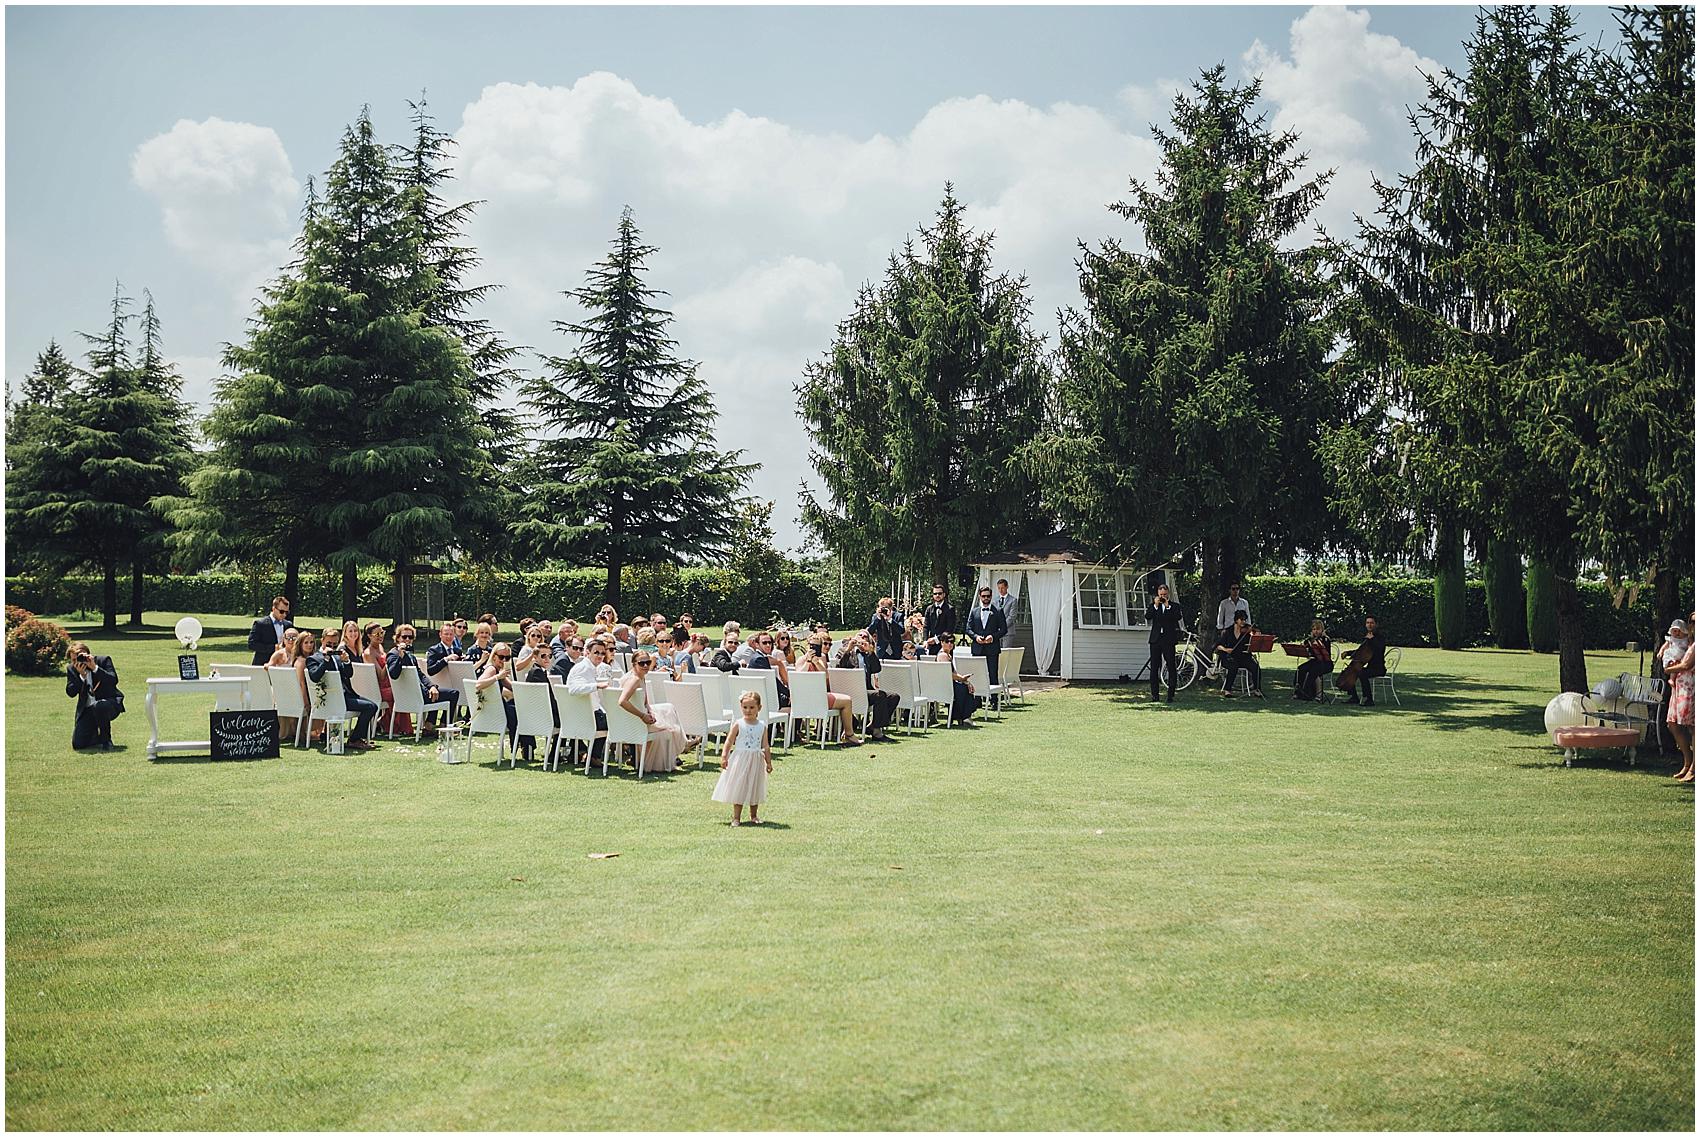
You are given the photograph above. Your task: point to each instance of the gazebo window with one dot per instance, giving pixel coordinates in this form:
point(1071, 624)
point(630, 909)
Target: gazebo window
point(1098, 600)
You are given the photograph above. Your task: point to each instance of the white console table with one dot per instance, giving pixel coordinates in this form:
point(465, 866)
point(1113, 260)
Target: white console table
point(237, 684)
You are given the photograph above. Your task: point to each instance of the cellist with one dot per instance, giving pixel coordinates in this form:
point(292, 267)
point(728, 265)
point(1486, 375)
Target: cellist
point(1369, 660)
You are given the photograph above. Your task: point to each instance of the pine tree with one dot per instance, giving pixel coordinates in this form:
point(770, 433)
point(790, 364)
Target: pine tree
point(40, 399)
point(1525, 299)
point(624, 473)
point(1194, 384)
point(350, 431)
point(86, 492)
point(932, 384)
point(408, 456)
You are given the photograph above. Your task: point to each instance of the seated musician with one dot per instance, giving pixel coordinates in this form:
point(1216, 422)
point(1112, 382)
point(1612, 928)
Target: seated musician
point(1369, 660)
point(1320, 663)
point(1234, 646)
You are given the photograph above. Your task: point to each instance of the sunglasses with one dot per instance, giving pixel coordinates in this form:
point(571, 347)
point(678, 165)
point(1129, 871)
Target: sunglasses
point(641, 663)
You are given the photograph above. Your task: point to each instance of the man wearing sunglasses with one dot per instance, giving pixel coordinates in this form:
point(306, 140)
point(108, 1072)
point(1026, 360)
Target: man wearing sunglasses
point(940, 618)
point(581, 663)
point(987, 628)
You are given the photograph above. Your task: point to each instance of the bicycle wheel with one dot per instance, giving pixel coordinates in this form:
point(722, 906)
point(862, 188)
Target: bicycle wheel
point(1186, 670)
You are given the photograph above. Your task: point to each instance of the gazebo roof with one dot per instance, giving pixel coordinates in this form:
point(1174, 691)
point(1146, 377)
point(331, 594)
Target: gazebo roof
point(1057, 549)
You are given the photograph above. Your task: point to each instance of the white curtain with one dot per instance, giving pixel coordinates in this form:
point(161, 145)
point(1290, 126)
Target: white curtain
point(1046, 600)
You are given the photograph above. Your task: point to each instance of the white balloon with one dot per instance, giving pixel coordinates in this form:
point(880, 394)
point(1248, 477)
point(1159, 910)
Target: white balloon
point(188, 632)
point(1564, 710)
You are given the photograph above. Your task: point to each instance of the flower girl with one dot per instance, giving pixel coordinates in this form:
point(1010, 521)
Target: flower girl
point(746, 762)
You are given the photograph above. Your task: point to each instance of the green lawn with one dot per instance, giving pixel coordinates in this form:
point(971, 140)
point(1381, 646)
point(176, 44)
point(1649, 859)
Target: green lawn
point(1095, 914)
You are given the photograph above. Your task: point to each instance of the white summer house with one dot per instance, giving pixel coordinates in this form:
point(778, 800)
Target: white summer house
point(1078, 616)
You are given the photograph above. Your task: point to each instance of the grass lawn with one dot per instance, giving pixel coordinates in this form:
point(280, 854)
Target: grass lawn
point(1095, 914)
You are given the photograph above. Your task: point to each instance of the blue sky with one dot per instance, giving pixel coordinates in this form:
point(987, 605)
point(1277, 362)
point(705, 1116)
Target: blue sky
point(774, 154)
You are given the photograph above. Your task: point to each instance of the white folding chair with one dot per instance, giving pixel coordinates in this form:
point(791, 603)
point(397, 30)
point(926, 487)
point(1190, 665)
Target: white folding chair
point(1393, 658)
point(715, 699)
point(328, 706)
point(488, 717)
point(410, 700)
point(626, 729)
point(286, 697)
point(1009, 671)
point(810, 704)
point(366, 685)
point(534, 715)
point(852, 683)
point(463, 673)
point(898, 676)
point(694, 718)
point(578, 724)
point(231, 700)
point(979, 677)
point(938, 686)
point(652, 685)
point(772, 714)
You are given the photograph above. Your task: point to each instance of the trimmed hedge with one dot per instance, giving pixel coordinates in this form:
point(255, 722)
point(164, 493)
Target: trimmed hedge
point(1282, 604)
point(1540, 594)
point(711, 595)
point(1404, 609)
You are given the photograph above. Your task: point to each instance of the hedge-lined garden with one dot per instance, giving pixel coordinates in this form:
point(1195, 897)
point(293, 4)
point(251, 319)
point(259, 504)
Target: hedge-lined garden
point(1282, 604)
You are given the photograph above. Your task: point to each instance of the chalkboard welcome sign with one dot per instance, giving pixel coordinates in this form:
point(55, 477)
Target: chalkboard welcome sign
point(244, 734)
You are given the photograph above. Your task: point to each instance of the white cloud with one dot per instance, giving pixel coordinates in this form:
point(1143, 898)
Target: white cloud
point(200, 374)
point(1345, 90)
point(766, 230)
point(227, 195)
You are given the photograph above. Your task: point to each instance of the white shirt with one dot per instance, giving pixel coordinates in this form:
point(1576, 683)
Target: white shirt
point(581, 680)
point(1225, 612)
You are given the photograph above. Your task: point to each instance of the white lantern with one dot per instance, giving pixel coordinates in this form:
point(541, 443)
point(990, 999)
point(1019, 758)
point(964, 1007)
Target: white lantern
point(447, 736)
point(335, 736)
point(1565, 710)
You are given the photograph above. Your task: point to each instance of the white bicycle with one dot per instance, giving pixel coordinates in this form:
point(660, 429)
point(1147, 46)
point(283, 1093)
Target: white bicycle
point(1192, 661)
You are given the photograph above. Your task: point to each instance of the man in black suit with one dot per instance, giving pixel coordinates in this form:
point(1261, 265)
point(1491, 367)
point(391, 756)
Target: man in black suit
point(333, 659)
point(93, 682)
point(940, 618)
point(268, 631)
point(987, 628)
point(1167, 627)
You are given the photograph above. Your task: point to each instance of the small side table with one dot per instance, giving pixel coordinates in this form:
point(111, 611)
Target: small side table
point(175, 686)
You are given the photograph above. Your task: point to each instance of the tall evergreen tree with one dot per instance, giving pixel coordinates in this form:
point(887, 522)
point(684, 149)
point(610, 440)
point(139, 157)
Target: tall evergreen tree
point(1193, 385)
point(932, 384)
point(85, 492)
point(1518, 299)
point(624, 472)
point(40, 398)
point(353, 414)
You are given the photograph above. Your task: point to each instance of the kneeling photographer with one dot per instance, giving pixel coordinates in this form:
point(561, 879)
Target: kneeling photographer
point(93, 682)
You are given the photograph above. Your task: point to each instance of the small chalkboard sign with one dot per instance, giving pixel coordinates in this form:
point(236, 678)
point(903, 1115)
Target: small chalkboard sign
point(188, 667)
point(244, 734)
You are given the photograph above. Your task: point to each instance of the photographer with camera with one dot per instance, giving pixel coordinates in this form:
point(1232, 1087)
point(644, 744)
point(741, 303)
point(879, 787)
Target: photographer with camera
point(886, 630)
point(93, 682)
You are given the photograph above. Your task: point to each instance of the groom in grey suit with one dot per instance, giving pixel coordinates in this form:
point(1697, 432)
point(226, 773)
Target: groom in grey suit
point(1004, 603)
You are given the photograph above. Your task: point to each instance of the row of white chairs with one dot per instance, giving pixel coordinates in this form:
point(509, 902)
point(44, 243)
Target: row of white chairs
point(706, 703)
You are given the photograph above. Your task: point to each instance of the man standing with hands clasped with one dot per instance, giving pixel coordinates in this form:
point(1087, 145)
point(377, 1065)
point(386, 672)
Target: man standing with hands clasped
point(267, 631)
point(1005, 604)
point(940, 619)
point(1167, 627)
point(986, 627)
